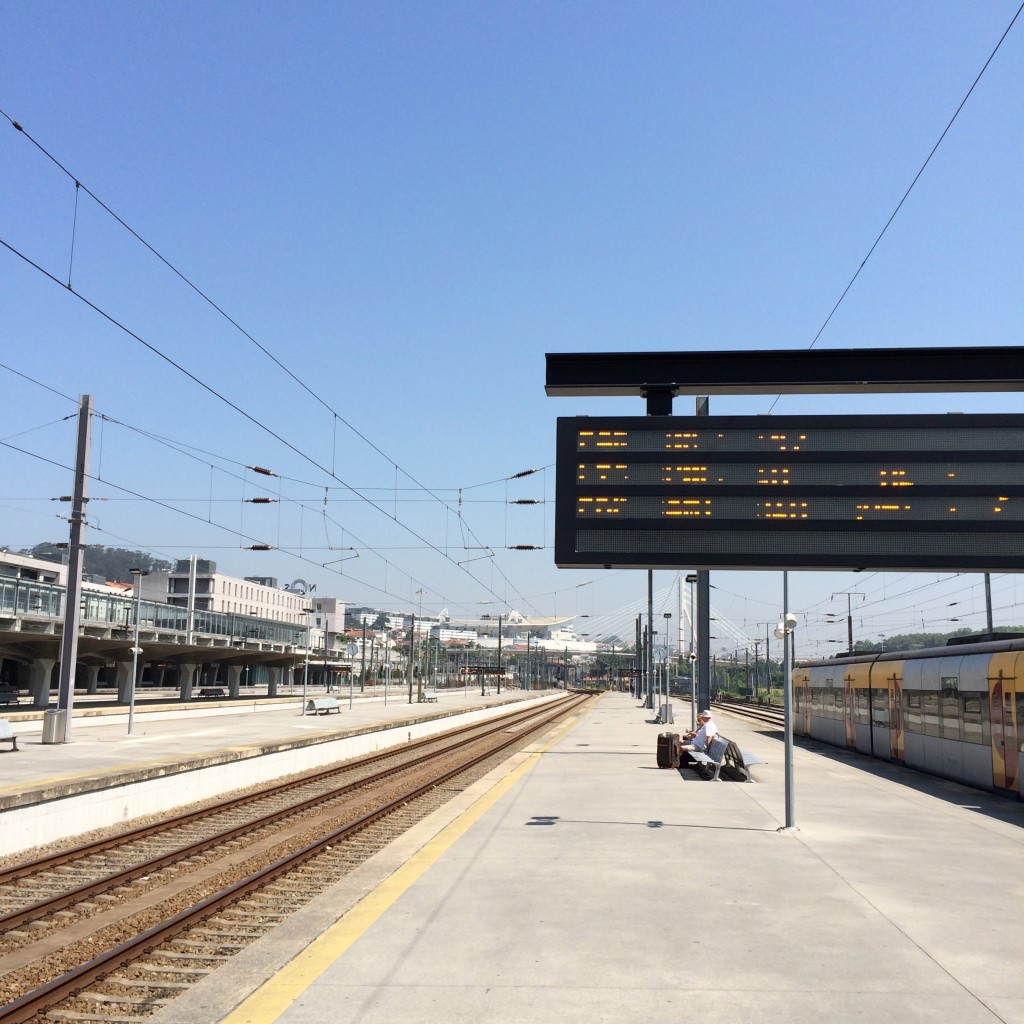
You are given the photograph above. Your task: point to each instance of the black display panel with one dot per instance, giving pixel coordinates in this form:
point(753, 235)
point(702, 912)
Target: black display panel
point(788, 492)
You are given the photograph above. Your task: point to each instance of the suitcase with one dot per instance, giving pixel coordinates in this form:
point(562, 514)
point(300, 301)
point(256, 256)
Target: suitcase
point(668, 750)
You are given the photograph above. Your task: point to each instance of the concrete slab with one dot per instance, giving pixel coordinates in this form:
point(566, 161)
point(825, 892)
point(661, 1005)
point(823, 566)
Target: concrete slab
point(588, 885)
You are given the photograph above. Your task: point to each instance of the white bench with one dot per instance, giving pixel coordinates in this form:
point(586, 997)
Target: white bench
point(723, 751)
point(713, 758)
point(323, 705)
point(428, 698)
point(741, 760)
point(6, 735)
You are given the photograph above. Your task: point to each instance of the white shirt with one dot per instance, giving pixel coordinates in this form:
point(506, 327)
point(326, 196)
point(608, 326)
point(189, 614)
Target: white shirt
point(705, 734)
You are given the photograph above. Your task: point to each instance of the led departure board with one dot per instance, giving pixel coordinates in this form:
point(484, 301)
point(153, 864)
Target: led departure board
point(786, 492)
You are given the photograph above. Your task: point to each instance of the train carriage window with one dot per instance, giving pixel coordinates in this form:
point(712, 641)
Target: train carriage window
point(971, 711)
point(949, 708)
point(863, 712)
point(828, 704)
point(840, 704)
point(930, 711)
point(880, 708)
point(913, 720)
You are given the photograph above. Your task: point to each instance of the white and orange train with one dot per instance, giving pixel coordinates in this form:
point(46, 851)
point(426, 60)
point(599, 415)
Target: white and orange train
point(955, 711)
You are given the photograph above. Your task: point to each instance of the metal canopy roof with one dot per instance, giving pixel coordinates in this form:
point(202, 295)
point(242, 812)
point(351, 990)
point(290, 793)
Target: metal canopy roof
point(786, 371)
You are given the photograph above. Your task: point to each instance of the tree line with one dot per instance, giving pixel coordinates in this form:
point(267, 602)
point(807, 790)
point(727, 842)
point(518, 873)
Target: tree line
point(112, 565)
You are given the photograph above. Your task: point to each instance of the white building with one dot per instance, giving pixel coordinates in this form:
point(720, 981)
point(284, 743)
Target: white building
point(216, 592)
point(38, 570)
point(327, 621)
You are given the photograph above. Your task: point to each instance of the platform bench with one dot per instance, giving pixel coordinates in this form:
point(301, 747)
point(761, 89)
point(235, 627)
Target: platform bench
point(741, 760)
point(428, 699)
point(212, 691)
point(6, 735)
point(8, 696)
point(713, 759)
point(323, 705)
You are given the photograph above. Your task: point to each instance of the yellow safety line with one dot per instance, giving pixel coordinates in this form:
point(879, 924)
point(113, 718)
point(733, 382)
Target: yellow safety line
point(273, 997)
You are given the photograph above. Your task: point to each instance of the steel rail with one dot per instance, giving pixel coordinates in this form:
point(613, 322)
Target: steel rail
point(48, 906)
point(62, 857)
point(26, 1007)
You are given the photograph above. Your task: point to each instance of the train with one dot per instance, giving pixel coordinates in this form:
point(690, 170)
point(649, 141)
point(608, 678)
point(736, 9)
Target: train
point(955, 711)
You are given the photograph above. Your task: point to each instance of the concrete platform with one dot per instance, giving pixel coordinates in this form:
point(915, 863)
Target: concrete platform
point(582, 883)
point(177, 755)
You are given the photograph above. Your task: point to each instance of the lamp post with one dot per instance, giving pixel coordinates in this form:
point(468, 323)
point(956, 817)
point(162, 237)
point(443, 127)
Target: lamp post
point(667, 616)
point(136, 650)
point(499, 654)
point(783, 632)
point(305, 672)
point(412, 642)
point(692, 579)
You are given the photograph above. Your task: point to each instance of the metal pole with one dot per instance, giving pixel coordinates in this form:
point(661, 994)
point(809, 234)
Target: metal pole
point(408, 664)
point(190, 624)
point(787, 702)
point(988, 602)
point(138, 574)
point(305, 673)
point(499, 654)
point(362, 668)
point(692, 579)
point(638, 682)
point(73, 597)
point(703, 606)
point(649, 653)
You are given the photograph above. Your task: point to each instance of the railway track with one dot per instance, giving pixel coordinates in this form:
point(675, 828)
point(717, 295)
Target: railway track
point(767, 713)
point(116, 928)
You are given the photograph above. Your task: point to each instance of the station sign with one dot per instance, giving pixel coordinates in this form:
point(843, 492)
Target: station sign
point(905, 492)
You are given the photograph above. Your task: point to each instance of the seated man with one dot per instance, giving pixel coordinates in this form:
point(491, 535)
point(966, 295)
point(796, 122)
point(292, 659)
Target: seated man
point(701, 739)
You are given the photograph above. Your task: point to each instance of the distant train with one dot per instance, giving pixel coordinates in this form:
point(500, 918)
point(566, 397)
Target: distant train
point(955, 711)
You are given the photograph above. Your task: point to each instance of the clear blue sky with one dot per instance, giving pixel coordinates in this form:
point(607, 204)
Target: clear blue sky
point(409, 204)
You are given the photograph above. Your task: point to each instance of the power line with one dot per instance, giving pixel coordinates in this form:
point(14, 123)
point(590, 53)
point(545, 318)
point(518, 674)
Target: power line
point(910, 188)
point(195, 288)
point(254, 420)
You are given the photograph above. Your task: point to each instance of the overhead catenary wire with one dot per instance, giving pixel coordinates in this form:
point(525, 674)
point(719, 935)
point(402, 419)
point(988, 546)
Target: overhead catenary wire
point(910, 188)
point(246, 415)
point(206, 298)
point(257, 544)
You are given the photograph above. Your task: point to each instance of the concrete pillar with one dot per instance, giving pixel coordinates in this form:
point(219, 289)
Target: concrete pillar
point(234, 678)
point(186, 675)
point(123, 679)
point(89, 675)
point(40, 680)
point(275, 672)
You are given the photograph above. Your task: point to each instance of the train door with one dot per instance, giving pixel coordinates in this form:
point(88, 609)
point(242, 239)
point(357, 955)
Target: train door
point(858, 698)
point(1002, 703)
point(895, 688)
point(801, 701)
point(850, 710)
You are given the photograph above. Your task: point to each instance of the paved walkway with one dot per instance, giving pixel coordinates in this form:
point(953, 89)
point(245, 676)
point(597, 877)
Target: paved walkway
point(588, 885)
